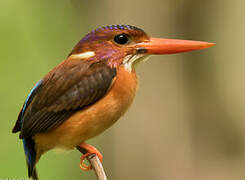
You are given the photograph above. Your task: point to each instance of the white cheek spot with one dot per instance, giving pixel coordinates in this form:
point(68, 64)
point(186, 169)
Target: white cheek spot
point(84, 55)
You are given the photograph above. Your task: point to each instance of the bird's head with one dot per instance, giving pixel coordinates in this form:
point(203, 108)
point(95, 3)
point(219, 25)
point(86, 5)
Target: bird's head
point(125, 44)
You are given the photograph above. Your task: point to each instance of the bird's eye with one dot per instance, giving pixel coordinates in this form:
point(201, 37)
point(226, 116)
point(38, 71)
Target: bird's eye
point(121, 39)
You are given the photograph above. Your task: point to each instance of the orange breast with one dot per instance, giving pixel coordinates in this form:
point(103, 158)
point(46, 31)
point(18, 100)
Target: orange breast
point(93, 120)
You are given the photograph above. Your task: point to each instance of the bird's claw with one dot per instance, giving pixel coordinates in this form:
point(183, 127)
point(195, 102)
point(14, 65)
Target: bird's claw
point(83, 166)
point(90, 151)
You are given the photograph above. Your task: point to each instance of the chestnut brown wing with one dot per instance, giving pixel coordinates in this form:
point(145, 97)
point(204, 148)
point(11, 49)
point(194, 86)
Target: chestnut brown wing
point(69, 87)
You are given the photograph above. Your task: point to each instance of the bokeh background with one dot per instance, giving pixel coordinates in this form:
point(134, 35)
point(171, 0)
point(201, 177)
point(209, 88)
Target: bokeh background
point(187, 121)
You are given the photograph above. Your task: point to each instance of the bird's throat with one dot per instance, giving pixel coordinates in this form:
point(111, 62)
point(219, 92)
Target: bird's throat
point(131, 61)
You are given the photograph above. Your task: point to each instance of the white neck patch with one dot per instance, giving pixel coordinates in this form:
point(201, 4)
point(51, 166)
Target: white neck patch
point(132, 60)
point(84, 55)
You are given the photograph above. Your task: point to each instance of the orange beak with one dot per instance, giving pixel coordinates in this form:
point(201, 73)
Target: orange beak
point(171, 46)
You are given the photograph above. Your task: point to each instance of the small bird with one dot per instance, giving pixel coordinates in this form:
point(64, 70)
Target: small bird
point(89, 91)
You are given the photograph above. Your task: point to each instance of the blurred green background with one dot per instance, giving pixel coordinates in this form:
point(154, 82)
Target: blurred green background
point(187, 121)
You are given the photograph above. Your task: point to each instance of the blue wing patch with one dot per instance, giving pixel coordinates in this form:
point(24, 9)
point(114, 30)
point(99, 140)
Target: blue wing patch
point(29, 99)
point(28, 143)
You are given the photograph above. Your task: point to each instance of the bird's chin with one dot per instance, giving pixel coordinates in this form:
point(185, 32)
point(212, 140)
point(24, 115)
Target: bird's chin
point(131, 61)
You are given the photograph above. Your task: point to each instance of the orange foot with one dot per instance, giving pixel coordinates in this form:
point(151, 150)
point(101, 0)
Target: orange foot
point(90, 150)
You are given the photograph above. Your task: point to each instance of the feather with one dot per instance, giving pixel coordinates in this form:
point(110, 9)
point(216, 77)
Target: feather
point(70, 87)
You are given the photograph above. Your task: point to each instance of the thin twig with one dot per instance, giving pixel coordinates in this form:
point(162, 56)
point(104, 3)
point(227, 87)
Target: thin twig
point(96, 164)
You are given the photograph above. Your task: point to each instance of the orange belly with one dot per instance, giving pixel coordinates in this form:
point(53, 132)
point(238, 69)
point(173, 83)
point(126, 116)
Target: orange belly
point(94, 119)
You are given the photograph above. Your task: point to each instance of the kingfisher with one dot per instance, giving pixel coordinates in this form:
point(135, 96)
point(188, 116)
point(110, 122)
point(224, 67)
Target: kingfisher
point(89, 91)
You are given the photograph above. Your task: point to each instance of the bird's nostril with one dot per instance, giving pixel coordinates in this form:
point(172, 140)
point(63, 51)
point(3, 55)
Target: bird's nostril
point(141, 50)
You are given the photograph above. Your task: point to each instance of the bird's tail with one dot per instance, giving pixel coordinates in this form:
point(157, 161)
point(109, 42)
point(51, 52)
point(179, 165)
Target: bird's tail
point(32, 172)
point(30, 152)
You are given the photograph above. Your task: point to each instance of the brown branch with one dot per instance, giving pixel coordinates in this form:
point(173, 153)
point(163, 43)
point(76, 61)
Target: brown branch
point(96, 164)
